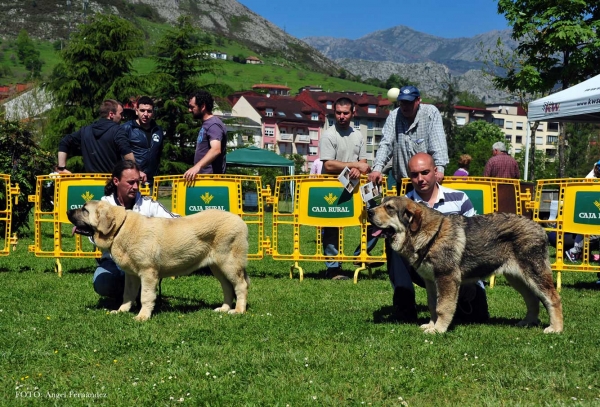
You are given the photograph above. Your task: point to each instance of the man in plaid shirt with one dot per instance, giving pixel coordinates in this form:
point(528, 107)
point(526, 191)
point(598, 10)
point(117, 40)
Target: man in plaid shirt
point(412, 128)
point(501, 165)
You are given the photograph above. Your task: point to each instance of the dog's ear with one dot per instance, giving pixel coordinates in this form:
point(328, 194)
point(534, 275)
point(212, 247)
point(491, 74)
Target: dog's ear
point(415, 221)
point(108, 217)
point(415, 215)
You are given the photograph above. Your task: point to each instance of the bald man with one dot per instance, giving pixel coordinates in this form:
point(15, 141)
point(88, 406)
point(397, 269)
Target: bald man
point(472, 302)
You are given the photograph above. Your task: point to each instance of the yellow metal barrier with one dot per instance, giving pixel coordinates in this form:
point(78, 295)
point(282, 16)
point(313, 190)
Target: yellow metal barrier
point(239, 194)
point(7, 192)
point(55, 195)
point(303, 205)
point(577, 205)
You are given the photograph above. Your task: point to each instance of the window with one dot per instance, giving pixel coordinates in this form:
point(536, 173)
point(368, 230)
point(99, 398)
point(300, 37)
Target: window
point(269, 146)
point(330, 122)
point(370, 124)
point(540, 127)
point(283, 130)
point(314, 134)
point(282, 114)
point(269, 131)
point(298, 115)
point(357, 123)
point(372, 109)
point(552, 139)
point(550, 152)
point(508, 138)
point(314, 116)
point(329, 104)
point(313, 150)
point(539, 140)
point(519, 139)
point(498, 122)
point(553, 126)
point(461, 120)
point(519, 125)
point(377, 125)
point(269, 112)
point(369, 140)
point(508, 125)
point(517, 150)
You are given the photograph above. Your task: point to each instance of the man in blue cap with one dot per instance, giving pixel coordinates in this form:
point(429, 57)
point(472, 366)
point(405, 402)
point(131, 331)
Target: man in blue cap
point(411, 129)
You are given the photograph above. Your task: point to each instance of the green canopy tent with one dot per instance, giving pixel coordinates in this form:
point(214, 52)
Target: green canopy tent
point(257, 157)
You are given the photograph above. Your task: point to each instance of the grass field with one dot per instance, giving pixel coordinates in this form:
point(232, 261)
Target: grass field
point(316, 342)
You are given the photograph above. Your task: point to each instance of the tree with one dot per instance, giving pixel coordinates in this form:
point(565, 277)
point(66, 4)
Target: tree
point(28, 55)
point(475, 139)
point(559, 45)
point(95, 65)
point(22, 159)
point(181, 60)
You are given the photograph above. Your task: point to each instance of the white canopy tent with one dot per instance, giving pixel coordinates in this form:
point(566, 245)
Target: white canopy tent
point(579, 103)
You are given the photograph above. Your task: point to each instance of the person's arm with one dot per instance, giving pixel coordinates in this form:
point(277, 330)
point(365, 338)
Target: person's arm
point(487, 170)
point(214, 152)
point(438, 148)
point(356, 168)
point(67, 142)
point(385, 150)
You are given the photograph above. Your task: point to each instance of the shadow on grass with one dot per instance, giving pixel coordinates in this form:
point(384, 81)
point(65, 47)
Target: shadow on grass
point(581, 285)
point(181, 305)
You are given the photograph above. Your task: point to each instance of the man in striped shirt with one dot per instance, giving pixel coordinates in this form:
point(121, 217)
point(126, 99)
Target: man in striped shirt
point(472, 303)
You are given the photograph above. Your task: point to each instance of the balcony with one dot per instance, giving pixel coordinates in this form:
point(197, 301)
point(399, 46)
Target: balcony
point(286, 137)
point(302, 138)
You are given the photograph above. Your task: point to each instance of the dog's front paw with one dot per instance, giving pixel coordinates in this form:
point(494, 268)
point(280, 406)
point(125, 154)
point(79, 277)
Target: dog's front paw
point(551, 330)
point(224, 308)
point(142, 317)
point(427, 326)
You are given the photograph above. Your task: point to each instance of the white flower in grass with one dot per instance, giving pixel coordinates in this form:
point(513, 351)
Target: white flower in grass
point(180, 399)
point(314, 397)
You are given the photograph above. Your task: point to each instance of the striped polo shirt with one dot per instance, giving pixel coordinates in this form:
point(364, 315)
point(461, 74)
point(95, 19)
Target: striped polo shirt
point(449, 201)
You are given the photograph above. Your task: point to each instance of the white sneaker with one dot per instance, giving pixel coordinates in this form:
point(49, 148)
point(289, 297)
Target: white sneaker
point(570, 256)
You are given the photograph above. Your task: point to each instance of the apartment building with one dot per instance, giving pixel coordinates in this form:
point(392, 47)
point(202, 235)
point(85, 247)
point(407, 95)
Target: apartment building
point(289, 126)
point(512, 119)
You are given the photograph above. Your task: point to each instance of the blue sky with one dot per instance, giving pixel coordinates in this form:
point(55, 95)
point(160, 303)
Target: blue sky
point(354, 19)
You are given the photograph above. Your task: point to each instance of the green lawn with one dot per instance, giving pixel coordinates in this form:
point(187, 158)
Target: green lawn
point(316, 342)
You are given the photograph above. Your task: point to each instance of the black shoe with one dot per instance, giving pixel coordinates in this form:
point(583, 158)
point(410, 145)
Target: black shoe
point(335, 273)
point(405, 308)
point(472, 304)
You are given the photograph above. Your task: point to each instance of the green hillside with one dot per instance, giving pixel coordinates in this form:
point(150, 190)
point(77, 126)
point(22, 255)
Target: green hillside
point(275, 70)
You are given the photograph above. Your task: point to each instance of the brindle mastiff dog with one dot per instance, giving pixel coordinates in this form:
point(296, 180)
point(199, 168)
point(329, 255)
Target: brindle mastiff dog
point(449, 250)
point(149, 249)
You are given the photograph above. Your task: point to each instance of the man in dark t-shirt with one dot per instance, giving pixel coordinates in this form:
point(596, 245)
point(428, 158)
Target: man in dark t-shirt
point(212, 138)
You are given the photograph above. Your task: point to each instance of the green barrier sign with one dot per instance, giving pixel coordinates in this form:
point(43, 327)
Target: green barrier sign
point(198, 199)
point(476, 197)
point(587, 208)
point(324, 202)
point(77, 196)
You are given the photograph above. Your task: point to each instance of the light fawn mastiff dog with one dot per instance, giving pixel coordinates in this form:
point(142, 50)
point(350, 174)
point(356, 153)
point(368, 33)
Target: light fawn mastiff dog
point(149, 249)
point(448, 250)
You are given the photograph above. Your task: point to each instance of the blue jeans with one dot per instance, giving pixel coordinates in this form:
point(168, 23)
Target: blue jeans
point(330, 238)
point(109, 279)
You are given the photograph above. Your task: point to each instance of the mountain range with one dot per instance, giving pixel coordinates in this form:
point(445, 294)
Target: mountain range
point(422, 58)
